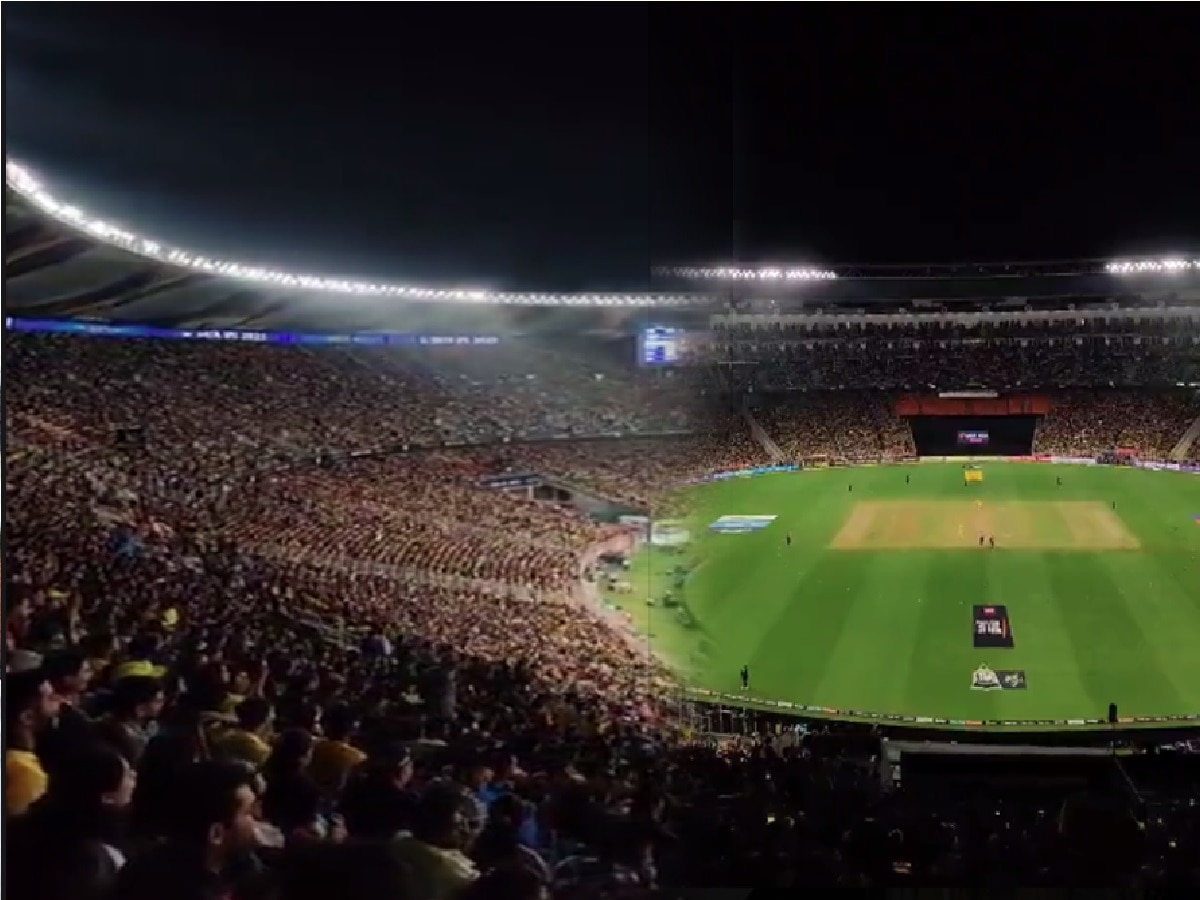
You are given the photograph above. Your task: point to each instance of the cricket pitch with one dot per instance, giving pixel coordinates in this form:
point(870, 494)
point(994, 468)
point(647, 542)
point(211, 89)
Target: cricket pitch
point(959, 525)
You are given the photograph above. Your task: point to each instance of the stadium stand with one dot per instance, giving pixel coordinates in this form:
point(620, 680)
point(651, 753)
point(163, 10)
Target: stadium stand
point(826, 387)
point(845, 426)
point(1090, 423)
point(894, 353)
point(178, 581)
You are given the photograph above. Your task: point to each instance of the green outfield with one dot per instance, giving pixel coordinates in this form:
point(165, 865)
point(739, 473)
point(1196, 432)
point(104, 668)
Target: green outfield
point(876, 606)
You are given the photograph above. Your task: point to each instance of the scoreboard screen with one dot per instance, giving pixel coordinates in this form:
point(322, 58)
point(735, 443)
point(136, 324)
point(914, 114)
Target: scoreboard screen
point(660, 345)
point(972, 439)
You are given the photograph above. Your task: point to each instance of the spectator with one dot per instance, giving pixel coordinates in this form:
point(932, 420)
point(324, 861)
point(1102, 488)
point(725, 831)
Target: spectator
point(378, 802)
point(247, 743)
point(333, 756)
point(211, 831)
point(139, 659)
point(69, 673)
point(137, 701)
point(292, 801)
point(499, 844)
point(169, 753)
point(68, 845)
point(435, 850)
point(30, 707)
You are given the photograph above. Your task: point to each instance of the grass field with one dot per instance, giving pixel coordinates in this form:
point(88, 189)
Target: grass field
point(873, 607)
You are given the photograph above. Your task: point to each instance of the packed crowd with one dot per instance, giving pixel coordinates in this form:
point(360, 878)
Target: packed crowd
point(1148, 324)
point(237, 671)
point(1086, 423)
point(858, 426)
point(226, 402)
point(635, 472)
point(943, 358)
point(529, 390)
point(427, 514)
point(207, 577)
point(837, 426)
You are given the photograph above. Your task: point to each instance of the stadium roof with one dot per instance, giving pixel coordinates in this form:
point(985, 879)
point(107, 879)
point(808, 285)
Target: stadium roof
point(61, 262)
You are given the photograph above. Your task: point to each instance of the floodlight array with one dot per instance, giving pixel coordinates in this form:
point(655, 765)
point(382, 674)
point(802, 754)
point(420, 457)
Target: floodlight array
point(21, 180)
point(1168, 266)
point(763, 273)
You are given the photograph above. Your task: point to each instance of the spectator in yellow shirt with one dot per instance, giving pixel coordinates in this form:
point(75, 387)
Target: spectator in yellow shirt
point(333, 756)
point(30, 705)
point(435, 849)
point(248, 742)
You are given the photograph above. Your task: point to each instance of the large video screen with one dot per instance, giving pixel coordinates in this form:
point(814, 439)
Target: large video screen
point(660, 345)
point(972, 439)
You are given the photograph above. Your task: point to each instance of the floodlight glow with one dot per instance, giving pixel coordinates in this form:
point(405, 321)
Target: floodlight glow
point(22, 181)
point(765, 273)
point(1165, 266)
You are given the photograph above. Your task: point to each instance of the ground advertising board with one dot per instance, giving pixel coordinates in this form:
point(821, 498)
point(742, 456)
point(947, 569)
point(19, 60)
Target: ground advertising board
point(801, 709)
point(666, 533)
point(669, 534)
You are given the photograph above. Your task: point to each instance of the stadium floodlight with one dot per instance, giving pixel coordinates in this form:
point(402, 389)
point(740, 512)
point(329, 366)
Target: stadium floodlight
point(1165, 266)
point(738, 273)
point(22, 181)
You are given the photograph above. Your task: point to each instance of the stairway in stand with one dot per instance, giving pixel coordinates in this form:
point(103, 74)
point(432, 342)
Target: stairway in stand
point(765, 440)
point(1183, 448)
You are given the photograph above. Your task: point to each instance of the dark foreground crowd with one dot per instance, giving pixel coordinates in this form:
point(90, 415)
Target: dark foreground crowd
point(198, 704)
point(343, 780)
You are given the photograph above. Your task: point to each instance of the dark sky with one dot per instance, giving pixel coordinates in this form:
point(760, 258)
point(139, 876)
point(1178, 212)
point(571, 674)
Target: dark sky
point(574, 145)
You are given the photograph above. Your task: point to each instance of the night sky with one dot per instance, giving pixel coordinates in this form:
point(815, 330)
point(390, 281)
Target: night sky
point(573, 146)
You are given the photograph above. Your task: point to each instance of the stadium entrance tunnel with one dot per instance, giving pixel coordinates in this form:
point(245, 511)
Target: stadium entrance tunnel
point(973, 435)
